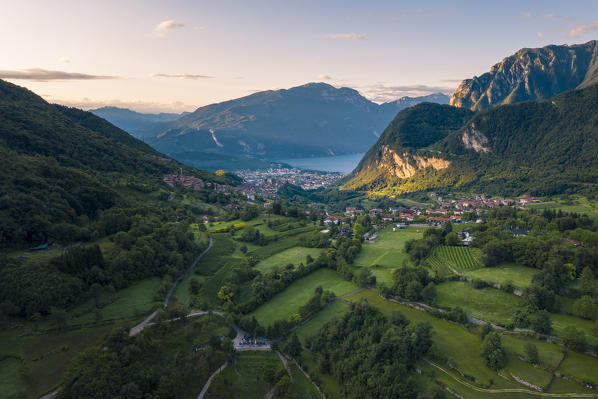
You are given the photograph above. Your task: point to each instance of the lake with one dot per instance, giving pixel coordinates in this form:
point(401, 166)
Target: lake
point(340, 163)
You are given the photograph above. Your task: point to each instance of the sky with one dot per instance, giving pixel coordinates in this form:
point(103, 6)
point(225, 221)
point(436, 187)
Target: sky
point(174, 56)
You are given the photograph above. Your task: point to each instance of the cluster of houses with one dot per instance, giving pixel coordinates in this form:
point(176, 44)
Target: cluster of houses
point(449, 210)
point(440, 215)
point(477, 202)
point(266, 189)
point(185, 181)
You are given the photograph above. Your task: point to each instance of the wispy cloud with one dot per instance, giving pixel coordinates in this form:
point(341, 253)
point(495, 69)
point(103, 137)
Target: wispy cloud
point(526, 14)
point(163, 27)
point(380, 92)
point(42, 75)
point(324, 77)
point(66, 60)
point(581, 29)
point(348, 36)
point(540, 35)
point(180, 76)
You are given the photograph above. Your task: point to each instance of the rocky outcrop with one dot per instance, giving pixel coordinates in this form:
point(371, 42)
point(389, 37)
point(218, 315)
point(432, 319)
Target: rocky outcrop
point(531, 74)
point(404, 165)
point(475, 140)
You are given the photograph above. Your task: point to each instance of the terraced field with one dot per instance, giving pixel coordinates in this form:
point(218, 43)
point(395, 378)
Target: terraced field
point(453, 258)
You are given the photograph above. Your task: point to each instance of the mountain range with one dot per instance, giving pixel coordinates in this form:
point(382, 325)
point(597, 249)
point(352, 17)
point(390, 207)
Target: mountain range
point(538, 147)
point(531, 74)
point(525, 137)
point(315, 119)
point(132, 121)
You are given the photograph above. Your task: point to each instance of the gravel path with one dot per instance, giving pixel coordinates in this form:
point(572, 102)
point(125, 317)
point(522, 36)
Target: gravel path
point(187, 272)
point(209, 381)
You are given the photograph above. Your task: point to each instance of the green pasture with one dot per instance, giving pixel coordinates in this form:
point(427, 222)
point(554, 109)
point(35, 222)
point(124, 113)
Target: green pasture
point(312, 327)
point(488, 304)
point(293, 255)
point(519, 276)
point(246, 380)
point(288, 302)
point(387, 253)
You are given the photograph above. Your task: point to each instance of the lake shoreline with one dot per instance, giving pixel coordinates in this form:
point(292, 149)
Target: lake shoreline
point(345, 163)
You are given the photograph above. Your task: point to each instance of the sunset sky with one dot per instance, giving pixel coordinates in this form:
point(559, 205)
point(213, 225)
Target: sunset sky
point(178, 55)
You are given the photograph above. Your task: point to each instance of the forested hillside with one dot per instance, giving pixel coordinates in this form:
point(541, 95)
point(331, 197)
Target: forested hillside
point(541, 148)
point(69, 178)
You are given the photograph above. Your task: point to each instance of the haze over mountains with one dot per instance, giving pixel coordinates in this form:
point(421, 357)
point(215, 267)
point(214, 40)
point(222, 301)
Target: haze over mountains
point(315, 119)
point(132, 121)
point(543, 147)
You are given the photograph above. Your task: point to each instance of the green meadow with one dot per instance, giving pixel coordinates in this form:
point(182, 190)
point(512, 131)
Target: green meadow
point(294, 255)
point(288, 302)
point(519, 276)
point(387, 253)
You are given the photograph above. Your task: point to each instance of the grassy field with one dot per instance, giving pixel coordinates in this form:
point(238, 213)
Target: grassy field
point(451, 340)
point(129, 303)
point(294, 255)
point(581, 366)
point(327, 383)
point(183, 294)
point(576, 204)
point(548, 354)
point(461, 347)
point(333, 311)
point(520, 369)
point(387, 253)
point(300, 385)
point(488, 304)
point(250, 382)
point(298, 293)
point(37, 361)
point(519, 276)
point(560, 321)
point(496, 306)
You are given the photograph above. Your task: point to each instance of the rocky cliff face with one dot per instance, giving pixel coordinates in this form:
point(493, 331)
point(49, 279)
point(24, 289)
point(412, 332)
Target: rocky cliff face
point(401, 150)
point(404, 165)
point(531, 74)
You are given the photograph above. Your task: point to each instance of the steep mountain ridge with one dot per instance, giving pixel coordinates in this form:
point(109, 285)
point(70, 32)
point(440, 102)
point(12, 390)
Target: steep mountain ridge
point(542, 148)
point(531, 74)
